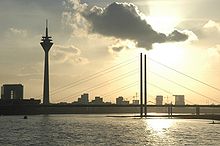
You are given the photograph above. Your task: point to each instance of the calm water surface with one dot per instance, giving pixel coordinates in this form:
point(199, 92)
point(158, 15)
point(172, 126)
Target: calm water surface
point(58, 130)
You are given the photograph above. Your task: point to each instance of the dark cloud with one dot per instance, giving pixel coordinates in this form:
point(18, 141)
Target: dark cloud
point(176, 36)
point(68, 54)
point(117, 49)
point(122, 45)
point(124, 21)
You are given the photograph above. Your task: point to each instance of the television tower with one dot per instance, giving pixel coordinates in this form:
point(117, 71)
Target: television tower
point(46, 45)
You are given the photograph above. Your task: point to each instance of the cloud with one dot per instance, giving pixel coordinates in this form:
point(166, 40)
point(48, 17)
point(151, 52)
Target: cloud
point(177, 36)
point(191, 35)
point(72, 18)
point(214, 51)
point(30, 71)
point(121, 45)
point(125, 21)
point(67, 54)
point(211, 56)
point(208, 33)
point(211, 28)
point(212, 25)
point(15, 32)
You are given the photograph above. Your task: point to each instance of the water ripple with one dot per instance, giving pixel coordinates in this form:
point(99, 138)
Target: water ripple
point(59, 130)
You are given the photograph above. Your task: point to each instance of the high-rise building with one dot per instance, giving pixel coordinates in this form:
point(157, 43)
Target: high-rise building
point(120, 100)
point(85, 98)
point(179, 99)
point(12, 91)
point(159, 100)
point(46, 43)
point(135, 101)
point(98, 100)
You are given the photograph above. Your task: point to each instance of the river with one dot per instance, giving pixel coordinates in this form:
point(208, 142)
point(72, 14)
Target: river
point(59, 130)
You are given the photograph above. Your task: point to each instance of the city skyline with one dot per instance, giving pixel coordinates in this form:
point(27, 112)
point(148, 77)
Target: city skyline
point(187, 44)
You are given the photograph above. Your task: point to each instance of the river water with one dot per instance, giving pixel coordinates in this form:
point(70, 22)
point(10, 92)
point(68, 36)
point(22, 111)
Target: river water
point(58, 130)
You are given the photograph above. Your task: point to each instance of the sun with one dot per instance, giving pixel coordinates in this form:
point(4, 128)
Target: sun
point(163, 16)
point(163, 24)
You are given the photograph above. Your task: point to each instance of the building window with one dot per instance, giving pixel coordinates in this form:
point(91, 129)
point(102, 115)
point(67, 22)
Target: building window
point(12, 94)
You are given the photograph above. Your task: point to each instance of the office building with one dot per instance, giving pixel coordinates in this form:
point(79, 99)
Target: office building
point(97, 100)
point(12, 91)
point(84, 99)
point(179, 99)
point(120, 100)
point(12, 94)
point(136, 102)
point(159, 100)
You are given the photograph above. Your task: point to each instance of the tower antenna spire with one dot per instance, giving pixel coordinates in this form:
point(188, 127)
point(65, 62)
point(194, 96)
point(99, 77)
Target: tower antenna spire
point(46, 28)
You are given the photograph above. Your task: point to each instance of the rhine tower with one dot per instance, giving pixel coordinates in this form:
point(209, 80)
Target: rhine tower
point(46, 43)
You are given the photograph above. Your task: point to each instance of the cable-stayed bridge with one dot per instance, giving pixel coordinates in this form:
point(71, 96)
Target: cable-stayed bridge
point(130, 73)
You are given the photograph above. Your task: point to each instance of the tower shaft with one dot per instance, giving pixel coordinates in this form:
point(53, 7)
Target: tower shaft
point(46, 80)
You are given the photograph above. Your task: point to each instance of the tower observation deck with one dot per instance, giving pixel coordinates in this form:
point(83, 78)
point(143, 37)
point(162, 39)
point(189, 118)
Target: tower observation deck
point(46, 43)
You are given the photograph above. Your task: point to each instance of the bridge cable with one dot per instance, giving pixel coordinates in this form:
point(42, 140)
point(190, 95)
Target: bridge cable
point(120, 77)
point(93, 76)
point(185, 75)
point(185, 87)
point(167, 91)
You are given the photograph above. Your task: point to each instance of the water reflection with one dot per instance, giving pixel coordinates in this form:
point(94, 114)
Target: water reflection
point(102, 130)
point(159, 125)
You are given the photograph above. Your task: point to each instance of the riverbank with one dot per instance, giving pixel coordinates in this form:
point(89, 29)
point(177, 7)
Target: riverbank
point(176, 116)
point(108, 109)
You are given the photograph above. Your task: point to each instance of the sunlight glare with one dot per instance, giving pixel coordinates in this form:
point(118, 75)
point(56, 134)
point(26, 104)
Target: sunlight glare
point(163, 24)
point(168, 53)
point(159, 125)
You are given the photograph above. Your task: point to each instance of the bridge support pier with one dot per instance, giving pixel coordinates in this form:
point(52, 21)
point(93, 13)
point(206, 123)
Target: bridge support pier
point(170, 111)
point(197, 110)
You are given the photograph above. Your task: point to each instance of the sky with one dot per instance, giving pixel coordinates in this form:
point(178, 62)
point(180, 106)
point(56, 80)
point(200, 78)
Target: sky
point(105, 39)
